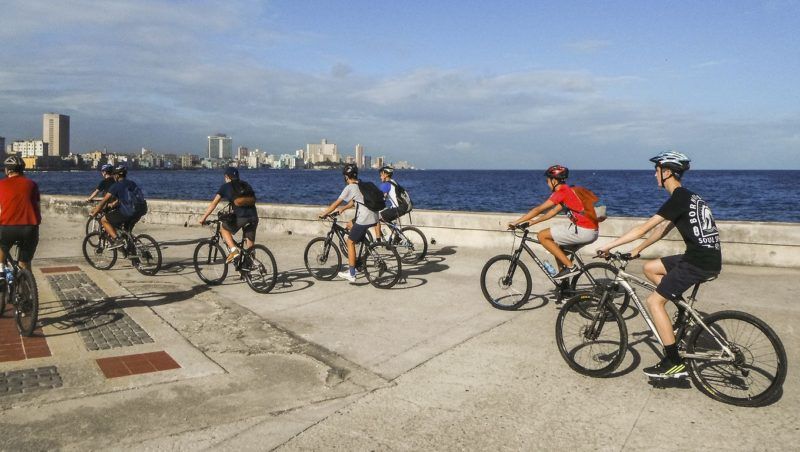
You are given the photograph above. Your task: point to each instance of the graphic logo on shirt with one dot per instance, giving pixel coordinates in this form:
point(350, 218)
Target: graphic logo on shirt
point(703, 226)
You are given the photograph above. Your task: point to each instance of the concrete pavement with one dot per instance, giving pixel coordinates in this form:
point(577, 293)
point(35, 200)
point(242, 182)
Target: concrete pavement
point(328, 365)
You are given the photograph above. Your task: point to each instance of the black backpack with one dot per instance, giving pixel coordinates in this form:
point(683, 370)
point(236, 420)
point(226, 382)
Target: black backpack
point(404, 204)
point(373, 196)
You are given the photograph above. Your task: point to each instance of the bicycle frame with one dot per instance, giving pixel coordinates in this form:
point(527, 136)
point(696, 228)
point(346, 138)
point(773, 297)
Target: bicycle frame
point(340, 232)
point(573, 255)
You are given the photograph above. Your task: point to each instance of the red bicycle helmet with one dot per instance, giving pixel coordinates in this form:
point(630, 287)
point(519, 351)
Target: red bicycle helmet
point(557, 172)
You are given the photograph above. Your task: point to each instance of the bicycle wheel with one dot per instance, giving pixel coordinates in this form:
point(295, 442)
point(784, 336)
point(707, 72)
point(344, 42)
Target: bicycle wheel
point(603, 275)
point(591, 346)
point(26, 302)
point(93, 225)
point(209, 262)
point(260, 269)
point(502, 284)
point(96, 252)
point(757, 369)
point(322, 258)
point(413, 247)
point(382, 265)
point(148, 255)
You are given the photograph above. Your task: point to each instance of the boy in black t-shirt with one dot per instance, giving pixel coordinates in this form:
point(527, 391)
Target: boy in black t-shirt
point(242, 203)
point(107, 171)
point(673, 275)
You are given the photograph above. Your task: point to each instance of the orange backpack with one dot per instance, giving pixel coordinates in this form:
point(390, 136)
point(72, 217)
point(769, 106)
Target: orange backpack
point(589, 200)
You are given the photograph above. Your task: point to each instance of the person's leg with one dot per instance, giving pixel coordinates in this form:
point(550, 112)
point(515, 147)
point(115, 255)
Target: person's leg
point(27, 245)
point(227, 237)
point(654, 270)
point(547, 241)
point(109, 228)
point(249, 233)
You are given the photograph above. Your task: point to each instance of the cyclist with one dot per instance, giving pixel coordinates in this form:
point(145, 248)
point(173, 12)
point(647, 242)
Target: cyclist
point(240, 212)
point(388, 187)
point(127, 202)
point(20, 214)
point(364, 218)
point(581, 230)
point(107, 171)
point(673, 275)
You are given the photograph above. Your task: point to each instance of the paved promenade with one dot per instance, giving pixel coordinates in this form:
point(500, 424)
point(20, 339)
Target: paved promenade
point(167, 363)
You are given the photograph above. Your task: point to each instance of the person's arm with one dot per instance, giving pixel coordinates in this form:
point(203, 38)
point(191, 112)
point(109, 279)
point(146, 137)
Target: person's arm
point(211, 206)
point(331, 208)
point(635, 233)
point(94, 193)
point(349, 205)
point(535, 212)
point(99, 207)
point(658, 233)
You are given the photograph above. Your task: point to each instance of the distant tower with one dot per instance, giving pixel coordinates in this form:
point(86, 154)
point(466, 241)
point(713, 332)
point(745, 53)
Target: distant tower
point(55, 132)
point(360, 156)
point(220, 146)
point(2, 146)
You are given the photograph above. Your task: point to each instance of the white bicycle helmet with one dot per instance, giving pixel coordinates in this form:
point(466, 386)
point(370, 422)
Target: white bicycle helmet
point(676, 161)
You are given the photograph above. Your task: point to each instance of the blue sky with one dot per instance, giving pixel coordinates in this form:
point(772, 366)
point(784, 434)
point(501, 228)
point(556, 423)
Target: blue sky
point(446, 84)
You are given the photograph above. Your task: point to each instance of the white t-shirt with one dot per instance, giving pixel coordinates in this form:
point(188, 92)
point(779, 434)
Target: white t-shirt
point(363, 214)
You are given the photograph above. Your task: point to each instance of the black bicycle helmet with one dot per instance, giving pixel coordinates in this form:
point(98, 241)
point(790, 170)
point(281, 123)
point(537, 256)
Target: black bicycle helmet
point(121, 169)
point(388, 170)
point(14, 163)
point(557, 172)
point(675, 161)
point(350, 170)
point(107, 168)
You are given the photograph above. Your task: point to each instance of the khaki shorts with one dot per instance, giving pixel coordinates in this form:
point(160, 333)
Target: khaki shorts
point(570, 234)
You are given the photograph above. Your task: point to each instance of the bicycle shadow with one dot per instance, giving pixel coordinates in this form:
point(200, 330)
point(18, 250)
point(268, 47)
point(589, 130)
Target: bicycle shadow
point(542, 299)
point(293, 280)
point(412, 274)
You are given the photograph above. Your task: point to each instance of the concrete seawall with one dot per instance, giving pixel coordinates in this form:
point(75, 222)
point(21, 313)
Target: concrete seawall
point(744, 242)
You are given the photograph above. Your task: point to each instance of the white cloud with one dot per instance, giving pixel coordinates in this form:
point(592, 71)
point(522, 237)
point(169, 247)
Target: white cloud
point(588, 45)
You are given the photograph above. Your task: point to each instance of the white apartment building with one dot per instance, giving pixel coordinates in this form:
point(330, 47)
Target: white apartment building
point(359, 156)
point(30, 148)
point(322, 152)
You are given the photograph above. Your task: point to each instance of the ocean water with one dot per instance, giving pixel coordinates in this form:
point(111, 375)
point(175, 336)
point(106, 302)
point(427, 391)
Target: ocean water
point(732, 195)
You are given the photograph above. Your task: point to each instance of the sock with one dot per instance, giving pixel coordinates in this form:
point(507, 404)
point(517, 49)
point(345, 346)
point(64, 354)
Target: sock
point(352, 271)
point(672, 353)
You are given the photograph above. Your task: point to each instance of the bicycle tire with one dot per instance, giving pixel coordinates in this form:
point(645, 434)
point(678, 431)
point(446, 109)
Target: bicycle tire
point(262, 265)
point(96, 252)
point(602, 273)
point(417, 247)
point(26, 302)
point(93, 225)
point(607, 352)
point(148, 256)
point(496, 272)
point(382, 265)
point(317, 256)
point(731, 326)
point(209, 262)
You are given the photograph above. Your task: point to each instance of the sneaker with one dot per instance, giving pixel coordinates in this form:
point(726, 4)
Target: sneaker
point(346, 275)
point(116, 243)
point(232, 255)
point(667, 369)
point(567, 272)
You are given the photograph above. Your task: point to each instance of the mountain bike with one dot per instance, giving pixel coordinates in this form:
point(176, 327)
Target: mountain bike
point(142, 250)
point(411, 243)
point(93, 222)
point(380, 262)
point(731, 356)
point(20, 290)
point(506, 282)
point(255, 265)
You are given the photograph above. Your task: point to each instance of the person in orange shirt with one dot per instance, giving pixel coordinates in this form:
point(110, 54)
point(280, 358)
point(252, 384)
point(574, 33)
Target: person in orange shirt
point(20, 214)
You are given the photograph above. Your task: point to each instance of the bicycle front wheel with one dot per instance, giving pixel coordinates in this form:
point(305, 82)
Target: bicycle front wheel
point(382, 265)
point(754, 374)
point(414, 247)
point(26, 302)
point(506, 284)
point(209, 262)
point(148, 255)
point(260, 269)
point(592, 345)
point(96, 252)
point(93, 225)
point(322, 258)
point(594, 277)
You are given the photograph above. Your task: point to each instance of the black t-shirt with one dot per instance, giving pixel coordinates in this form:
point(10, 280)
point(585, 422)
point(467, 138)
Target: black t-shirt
point(227, 192)
point(692, 216)
point(105, 184)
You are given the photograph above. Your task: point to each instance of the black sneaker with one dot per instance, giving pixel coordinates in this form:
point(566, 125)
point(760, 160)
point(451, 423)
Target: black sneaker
point(667, 369)
point(567, 272)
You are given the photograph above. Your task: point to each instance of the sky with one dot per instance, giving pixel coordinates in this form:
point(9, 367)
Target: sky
point(443, 84)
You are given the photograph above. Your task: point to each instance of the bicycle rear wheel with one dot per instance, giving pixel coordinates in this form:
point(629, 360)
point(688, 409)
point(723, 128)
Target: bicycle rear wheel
point(260, 269)
point(592, 345)
point(758, 369)
point(96, 252)
point(209, 262)
point(594, 277)
point(148, 255)
point(382, 265)
point(26, 302)
point(414, 247)
point(502, 284)
point(322, 258)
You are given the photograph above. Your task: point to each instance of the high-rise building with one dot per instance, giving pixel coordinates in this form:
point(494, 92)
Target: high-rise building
point(242, 152)
point(220, 146)
point(55, 132)
point(360, 156)
point(2, 146)
point(323, 152)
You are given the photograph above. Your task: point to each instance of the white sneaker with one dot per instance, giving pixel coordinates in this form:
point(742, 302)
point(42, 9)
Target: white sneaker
point(346, 275)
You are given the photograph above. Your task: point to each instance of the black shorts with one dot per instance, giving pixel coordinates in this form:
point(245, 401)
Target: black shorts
point(247, 225)
point(26, 237)
point(117, 219)
point(680, 276)
point(358, 232)
point(390, 214)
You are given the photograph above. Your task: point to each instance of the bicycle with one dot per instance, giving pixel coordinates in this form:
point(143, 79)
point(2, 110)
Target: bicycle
point(93, 224)
point(380, 262)
point(720, 348)
point(142, 250)
point(504, 289)
point(409, 239)
point(255, 265)
point(20, 290)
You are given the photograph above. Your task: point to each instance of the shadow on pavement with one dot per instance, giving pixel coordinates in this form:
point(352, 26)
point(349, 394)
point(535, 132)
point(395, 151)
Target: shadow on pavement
point(411, 277)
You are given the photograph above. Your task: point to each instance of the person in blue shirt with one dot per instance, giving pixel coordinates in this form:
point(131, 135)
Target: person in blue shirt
point(392, 210)
point(124, 196)
point(240, 213)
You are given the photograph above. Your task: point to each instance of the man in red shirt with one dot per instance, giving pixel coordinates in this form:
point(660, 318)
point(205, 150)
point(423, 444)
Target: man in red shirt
point(20, 215)
point(582, 229)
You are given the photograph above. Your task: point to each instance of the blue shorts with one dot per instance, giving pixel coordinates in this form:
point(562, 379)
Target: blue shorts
point(358, 232)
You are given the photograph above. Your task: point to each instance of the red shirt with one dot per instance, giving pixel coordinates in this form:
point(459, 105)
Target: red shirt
point(565, 195)
point(19, 202)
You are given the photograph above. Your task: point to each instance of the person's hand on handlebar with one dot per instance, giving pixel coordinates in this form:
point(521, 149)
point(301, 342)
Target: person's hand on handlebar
point(512, 226)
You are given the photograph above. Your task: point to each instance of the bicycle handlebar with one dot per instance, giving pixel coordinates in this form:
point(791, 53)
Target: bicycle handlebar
point(331, 215)
point(621, 258)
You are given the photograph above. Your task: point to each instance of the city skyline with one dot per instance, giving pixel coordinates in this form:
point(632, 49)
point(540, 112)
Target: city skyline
point(445, 85)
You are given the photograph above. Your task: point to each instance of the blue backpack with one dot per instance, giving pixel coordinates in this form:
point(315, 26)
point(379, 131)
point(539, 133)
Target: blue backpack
point(132, 202)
